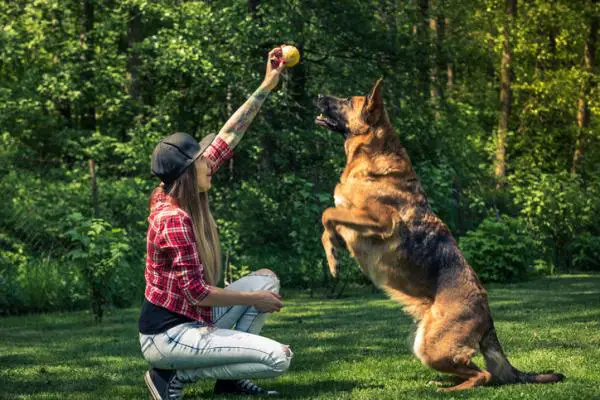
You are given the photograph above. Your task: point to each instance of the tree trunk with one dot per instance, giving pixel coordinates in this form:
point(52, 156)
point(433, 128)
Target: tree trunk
point(134, 36)
point(583, 110)
point(449, 63)
point(88, 113)
point(252, 6)
point(94, 186)
point(436, 24)
point(421, 32)
point(505, 93)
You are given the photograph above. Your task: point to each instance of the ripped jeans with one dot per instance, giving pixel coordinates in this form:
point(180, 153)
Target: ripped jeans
point(232, 349)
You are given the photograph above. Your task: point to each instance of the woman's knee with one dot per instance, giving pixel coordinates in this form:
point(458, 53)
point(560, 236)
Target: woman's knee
point(270, 274)
point(282, 359)
point(265, 272)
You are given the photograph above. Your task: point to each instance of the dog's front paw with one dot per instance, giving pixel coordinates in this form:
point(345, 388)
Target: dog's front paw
point(332, 261)
point(330, 253)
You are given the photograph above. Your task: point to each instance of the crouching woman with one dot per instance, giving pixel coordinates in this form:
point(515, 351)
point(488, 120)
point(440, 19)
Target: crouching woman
point(189, 328)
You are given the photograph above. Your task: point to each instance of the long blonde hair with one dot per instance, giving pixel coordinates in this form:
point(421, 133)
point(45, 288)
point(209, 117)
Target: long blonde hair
point(185, 192)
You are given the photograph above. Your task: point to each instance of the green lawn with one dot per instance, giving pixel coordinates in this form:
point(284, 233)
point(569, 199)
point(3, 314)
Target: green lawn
point(352, 348)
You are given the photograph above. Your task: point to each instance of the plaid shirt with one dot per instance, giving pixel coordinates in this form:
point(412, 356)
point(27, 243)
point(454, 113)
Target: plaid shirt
point(174, 272)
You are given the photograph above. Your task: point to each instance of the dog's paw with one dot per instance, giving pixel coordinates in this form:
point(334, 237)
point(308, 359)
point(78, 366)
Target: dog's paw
point(332, 261)
point(330, 252)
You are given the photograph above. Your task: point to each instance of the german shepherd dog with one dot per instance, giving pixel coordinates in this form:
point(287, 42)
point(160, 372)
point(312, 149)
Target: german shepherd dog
point(382, 217)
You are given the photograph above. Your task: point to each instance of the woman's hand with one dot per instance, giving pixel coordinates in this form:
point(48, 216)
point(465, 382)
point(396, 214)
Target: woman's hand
point(235, 127)
point(272, 74)
point(266, 301)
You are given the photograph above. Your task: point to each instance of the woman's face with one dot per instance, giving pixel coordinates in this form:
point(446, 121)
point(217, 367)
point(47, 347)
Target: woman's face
point(203, 174)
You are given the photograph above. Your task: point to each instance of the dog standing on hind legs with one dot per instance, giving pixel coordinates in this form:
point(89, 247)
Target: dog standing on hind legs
point(382, 217)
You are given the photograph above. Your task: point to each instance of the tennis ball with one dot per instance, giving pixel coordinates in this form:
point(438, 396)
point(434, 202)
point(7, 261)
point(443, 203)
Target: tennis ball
point(290, 55)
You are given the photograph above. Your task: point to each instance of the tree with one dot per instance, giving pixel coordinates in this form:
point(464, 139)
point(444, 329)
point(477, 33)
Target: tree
point(583, 110)
point(421, 29)
point(437, 23)
point(506, 77)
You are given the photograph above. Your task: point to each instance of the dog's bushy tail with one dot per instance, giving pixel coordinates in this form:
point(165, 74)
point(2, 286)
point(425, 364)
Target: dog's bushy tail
point(501, 369)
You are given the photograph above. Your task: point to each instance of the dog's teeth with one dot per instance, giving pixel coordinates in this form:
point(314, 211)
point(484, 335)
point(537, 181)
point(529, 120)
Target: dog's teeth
point(321, 116)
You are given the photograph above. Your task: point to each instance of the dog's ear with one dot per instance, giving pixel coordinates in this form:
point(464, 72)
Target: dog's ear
point(374, 102)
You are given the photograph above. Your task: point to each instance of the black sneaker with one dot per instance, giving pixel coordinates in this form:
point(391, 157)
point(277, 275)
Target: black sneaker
point(163, 384)
point(242, 387)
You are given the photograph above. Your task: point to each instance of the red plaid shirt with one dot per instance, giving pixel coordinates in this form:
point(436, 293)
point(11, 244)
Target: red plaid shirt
point(174, 272)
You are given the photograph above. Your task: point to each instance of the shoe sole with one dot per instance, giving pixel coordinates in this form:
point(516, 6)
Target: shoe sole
point(151, 387)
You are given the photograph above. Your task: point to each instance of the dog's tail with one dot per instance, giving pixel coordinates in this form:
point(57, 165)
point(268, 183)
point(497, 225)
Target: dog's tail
point(501, 369)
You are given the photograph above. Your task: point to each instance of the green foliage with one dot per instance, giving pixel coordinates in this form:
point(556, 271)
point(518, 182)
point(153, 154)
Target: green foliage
point(11, 258)
point(500, 250)
point(99, 251)
point(558, 209)
point(146, 69)
point(585, 249)
point(37, 274)
point(284, 238)
point(439, 183)
point(34, 283)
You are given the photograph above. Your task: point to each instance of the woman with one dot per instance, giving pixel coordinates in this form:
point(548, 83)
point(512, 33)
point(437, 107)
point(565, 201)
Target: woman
point(189, 328)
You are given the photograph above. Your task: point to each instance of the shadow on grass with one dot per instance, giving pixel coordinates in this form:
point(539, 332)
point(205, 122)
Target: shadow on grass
point(67, 354)
point(297, 391)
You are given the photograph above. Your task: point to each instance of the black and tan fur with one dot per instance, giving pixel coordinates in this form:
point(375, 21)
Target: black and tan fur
point(383, 219)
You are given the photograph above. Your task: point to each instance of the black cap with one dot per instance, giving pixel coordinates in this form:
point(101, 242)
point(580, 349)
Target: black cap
point(174, 154)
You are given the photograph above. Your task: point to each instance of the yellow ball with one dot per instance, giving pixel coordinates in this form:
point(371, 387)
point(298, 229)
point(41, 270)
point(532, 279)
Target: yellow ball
point(291, 55)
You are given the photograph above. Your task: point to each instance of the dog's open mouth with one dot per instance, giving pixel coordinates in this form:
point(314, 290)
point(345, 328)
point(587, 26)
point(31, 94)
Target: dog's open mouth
point(325, 121)
point(331, 124)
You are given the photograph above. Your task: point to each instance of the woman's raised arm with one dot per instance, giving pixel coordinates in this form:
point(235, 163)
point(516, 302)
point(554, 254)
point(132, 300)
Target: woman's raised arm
point(234, 129)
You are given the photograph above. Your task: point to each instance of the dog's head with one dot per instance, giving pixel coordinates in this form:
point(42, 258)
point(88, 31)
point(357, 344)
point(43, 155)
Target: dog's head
point(352, 116)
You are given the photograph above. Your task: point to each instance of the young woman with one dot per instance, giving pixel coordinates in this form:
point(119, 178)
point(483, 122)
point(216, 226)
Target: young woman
point(189, 328)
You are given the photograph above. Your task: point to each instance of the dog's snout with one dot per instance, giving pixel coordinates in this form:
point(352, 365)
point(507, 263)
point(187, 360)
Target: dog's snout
point(319, 101)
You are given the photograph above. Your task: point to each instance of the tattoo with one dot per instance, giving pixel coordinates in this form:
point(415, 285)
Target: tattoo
point(234, 129)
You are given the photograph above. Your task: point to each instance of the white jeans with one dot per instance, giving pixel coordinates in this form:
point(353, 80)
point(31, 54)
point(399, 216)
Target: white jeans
point(231, 349)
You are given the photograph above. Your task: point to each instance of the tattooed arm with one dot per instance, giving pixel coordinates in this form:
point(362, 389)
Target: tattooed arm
point(234, 129)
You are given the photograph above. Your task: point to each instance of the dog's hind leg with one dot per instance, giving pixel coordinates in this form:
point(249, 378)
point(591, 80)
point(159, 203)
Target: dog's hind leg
point(459, 365)
point(445, 349)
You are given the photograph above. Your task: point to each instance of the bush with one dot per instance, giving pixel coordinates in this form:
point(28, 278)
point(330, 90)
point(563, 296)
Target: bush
point(99, 252)
point(36, 271)
point(34, 283)
point(500, 250)
point(11, 257)
point(558, 208)
point(585, 249)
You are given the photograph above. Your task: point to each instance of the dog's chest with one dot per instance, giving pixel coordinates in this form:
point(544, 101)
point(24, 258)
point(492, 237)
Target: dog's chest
point(339, 198)
point(351, 193)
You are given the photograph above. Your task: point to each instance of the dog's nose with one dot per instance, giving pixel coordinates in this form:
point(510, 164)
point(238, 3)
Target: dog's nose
point(317, 102)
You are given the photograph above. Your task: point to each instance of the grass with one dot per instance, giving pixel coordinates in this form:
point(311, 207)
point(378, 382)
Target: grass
point(352, 348)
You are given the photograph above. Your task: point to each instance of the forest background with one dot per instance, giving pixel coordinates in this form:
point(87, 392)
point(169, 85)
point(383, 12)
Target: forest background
point(497, 103)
